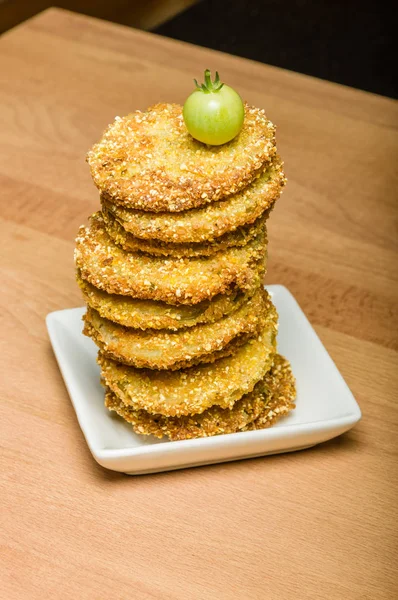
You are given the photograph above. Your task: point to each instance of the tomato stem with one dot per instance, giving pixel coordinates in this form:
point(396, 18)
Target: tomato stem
point(209, 86)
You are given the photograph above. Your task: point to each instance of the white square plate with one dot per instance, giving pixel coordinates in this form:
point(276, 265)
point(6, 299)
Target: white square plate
point(325, 406)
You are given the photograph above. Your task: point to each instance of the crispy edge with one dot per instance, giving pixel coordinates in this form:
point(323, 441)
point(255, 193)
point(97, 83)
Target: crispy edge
point(195, 389)
point(141, 314)
point(213, 421)
point(282, 392)
point(128, 166)
point(182, 349)
point(271, 398)
point(210, 222)
point(174, 281)
point(168, 365)
point(130, 243)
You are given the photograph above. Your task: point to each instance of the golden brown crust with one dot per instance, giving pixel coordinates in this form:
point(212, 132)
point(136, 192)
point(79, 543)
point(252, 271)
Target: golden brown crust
point(179, 349)
point(225, 351)
point(281, 395)
point(149, 161)
point(124, 239)
point(193, 390)
point(151, 314)
point(175, 281)
point(209, 222)
point(270, 399)
point(213, 421)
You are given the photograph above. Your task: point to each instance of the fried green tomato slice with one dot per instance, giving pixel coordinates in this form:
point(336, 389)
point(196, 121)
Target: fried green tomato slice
point(193, 390)
point(178, 349)
point(150, 314)
point(271, 398)
point(213, 421)
point(209, 222)
point(171, 280)
point(124, 239)
point(149, 161)
point(280, 390)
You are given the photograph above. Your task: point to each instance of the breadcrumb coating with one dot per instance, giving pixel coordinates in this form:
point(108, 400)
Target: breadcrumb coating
point(193, 390)
point(281, 395)
point(171, 280)
point(124, 239)
point(271, 398)
point(180, 349)
point(171, 271)
point(152, 314)
point(149, 161)
point(213, 421)
point(211, 221)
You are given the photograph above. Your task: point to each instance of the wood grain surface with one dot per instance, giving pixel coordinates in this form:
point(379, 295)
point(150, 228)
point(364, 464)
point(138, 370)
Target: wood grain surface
point(318, 524)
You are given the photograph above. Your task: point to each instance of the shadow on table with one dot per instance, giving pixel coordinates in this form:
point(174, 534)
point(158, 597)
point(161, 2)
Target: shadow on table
point(344, 443)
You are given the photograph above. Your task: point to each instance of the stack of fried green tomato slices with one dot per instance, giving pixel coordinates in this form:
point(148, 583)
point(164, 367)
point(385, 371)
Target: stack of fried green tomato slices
point(171, 270)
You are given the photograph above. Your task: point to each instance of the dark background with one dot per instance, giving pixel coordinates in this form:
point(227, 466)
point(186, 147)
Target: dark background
point(350, 42)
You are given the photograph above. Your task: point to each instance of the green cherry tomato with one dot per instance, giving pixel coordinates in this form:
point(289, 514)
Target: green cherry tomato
point(214, 112)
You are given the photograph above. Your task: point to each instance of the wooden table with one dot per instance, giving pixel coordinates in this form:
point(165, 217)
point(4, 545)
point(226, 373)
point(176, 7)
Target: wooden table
point(318, 524)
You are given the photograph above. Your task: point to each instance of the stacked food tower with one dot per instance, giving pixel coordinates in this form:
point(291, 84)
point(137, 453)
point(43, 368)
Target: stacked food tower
point(171, 270)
